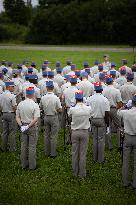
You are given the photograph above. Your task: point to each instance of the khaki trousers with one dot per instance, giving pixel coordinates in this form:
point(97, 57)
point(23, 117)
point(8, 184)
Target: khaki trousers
point(98, 132)
point(129, 145)
point(9, 132)
point(117, 123)
point(1, 120)
point(28, 148)
point(80, 140)
point(51, 133)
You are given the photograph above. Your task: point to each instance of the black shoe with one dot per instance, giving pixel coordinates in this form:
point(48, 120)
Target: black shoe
point(104, 162)
point(126, 185)
point(119, 149)
point(53, 157)
point(1, 150)
point(68, 142)
point(24, 168)
point(34, 168)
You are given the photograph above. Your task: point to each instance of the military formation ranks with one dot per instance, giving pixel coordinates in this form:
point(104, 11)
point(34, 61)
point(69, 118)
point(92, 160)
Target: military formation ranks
point(92, 102)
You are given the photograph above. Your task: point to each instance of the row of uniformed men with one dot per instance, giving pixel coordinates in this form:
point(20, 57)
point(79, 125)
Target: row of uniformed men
point(24, 77)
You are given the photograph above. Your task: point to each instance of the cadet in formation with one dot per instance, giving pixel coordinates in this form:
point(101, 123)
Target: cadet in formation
point(80, 134)
point(51, 106)
point(27, 116)
point(99, 121)
point(129, 119)
point(8, 108)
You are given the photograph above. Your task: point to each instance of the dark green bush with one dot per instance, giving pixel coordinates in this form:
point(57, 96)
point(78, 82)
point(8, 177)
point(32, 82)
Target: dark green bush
point(12, 32)
point(87, 22)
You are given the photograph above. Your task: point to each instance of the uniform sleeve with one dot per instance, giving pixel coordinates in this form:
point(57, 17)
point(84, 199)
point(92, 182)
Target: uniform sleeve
point(107, 105)
point(1, 90)
point(87, 101)
point(79, 86)
point(37, 93)
point(57, 89)
point(70, 111)
point(90, 110)
point(37, 111)
point(120, 113)
point(14, 103)
point(18, 109)
point(58, 104)
point(119, 99)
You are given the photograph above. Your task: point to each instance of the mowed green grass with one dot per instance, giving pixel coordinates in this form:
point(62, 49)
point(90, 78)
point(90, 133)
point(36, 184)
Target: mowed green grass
point(53, 182)
point(77, 57)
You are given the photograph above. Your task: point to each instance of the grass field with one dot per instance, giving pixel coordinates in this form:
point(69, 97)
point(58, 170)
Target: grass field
point(53, 183)
point(77, 57)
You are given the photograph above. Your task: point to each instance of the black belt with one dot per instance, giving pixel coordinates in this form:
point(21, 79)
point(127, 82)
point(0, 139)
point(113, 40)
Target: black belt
point(80, 129)
point(9, 112)
point(24, 123)
point(51, 115)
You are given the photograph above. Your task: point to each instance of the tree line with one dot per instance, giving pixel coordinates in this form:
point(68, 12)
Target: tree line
point(69, 22)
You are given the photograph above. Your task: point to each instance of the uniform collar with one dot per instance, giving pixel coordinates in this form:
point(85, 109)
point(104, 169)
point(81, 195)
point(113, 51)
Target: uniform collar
point(133, 108)
point(50, 93)
point(7, 91)
point(80, 103)
point(98, 93)
point(110, 86)
point(129, 83)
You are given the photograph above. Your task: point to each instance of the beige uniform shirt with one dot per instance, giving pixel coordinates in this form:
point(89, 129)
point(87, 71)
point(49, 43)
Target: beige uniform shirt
point(113, 95)
point(128, 69)
point(106, 65)
point(1, 90)
point(59, 80)
point(2, 84)
point(99, 105)
point(37, 93)
point(91, 80)
point(63, 87)
point(69, 95)
point(94, 70)
point(86, 87)
point(28, 110)
point(80, 116)
point(56, 89)
point(66, 70)
point(121, 80)
point(50, 103)
point(127, 90)
point(129, 119)
point(18, 85)
point(42, 82)
point(7, 101)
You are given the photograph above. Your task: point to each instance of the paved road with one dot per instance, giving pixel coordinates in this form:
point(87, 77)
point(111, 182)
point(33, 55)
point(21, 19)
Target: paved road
point(63, 48)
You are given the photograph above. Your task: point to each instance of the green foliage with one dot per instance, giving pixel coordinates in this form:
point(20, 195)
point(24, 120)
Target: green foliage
point(74, 21)
point(12, 32)
point(87, 22)
point(17, 11)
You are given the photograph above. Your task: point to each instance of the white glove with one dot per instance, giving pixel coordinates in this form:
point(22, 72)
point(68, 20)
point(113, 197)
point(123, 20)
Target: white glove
point(24, 128)
point(107, 131)
point(129, 104)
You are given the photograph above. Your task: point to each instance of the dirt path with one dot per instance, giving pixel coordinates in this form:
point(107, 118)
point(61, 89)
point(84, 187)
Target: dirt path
point(63, 48)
